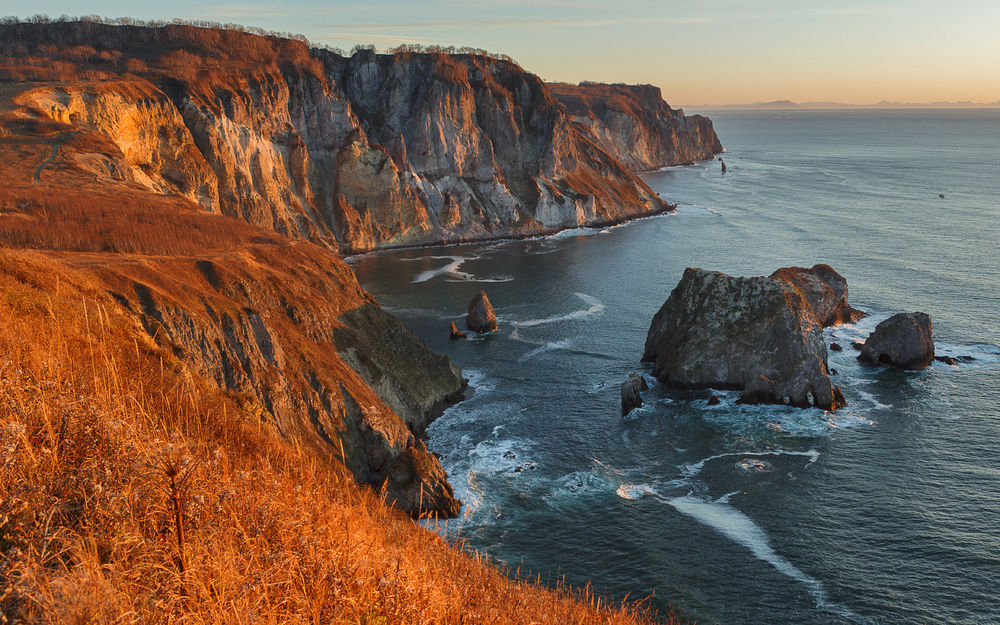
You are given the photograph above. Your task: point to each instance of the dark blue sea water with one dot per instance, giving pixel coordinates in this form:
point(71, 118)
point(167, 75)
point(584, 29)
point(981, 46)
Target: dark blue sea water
point(887, 511)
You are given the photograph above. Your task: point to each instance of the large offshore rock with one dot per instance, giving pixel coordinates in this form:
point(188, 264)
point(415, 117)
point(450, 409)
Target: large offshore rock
point(755, 334)
point(903, 340)
point(481, 317)
point(824, 289)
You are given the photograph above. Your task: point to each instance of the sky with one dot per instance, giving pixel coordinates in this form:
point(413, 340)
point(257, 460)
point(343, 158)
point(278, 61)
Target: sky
point(698, 51)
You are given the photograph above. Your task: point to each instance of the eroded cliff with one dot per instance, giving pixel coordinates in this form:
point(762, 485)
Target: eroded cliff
point(280, 325)
point(357, 153)
point(635, 125)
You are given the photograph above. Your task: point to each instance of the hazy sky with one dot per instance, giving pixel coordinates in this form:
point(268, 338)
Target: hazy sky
point(699, 51)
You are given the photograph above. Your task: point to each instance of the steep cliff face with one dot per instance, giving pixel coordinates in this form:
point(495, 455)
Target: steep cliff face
point(301, 345)
point(635, 125)
point(356, 153)
point(280, 325)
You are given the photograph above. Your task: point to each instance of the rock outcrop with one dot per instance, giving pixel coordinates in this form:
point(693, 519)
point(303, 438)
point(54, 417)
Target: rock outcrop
point(481, 317)
point(292, 333)
point(635, 125)
point(453, 332)
point(356, 153)
point(824, 289)
point(755, 334)
point(631, 399)
point(903, 340)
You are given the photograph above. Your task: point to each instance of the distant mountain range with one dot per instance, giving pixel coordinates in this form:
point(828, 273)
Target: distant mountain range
point(884, 104)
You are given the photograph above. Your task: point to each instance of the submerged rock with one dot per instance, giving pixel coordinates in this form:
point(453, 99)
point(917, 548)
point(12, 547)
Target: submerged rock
point(453, 332)
point(481, 318)
point(835, 347)
point(630, 392)
point(758, 335)
point(948, 360)
point(714, 400)
point(824, 289)
point(903, 340)
point(753, 465)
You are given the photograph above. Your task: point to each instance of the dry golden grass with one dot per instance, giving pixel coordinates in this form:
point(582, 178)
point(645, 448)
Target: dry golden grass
point(95, 418)
point(90, 415)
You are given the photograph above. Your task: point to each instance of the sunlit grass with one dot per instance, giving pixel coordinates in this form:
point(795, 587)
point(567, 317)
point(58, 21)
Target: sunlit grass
point(94, 421)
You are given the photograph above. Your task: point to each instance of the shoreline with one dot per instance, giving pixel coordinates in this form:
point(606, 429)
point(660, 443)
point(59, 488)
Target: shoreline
point(670, 208)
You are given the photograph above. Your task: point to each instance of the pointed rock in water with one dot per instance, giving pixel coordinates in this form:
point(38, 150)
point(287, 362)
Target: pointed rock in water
point(824, 289)
point(723, 165)
point(481, 318)
point(630, 392)
point(453, 332)
point(903, 340)
point(756, 334)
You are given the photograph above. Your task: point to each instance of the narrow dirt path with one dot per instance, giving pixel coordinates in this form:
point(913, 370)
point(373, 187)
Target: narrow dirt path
point(55, 152)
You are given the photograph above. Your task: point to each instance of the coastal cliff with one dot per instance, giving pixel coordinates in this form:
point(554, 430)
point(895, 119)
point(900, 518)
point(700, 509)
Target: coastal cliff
point(636, 126)
point(277, 325)
point(356, 153)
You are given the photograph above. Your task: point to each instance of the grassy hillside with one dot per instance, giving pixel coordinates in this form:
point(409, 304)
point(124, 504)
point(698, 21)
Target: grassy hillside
point(187, 419)
point(94, 421)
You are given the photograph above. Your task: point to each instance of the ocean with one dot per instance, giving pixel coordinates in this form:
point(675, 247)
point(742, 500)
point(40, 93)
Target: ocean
point(887, 511)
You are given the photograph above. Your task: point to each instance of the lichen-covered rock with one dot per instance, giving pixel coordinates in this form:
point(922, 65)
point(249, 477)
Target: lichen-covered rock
point(631, 399)
point(755, 334)
point(824, 289)
point(481, 316)
point(903, 340)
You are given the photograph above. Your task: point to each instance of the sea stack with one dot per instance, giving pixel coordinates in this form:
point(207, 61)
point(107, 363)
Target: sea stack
point(903, 340)
point(453, 332)
point(758, 335)
point(631, 399)
point(481, 318)
point(723, 165)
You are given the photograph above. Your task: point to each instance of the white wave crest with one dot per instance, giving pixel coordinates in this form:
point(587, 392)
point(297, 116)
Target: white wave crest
point(450, 268)
point(547, 347)
point(742, 530)
point(691, 470)
point(594, 307)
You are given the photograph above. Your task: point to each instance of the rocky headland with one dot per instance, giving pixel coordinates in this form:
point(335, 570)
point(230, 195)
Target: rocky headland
point(634, 124)
point(355, 152)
